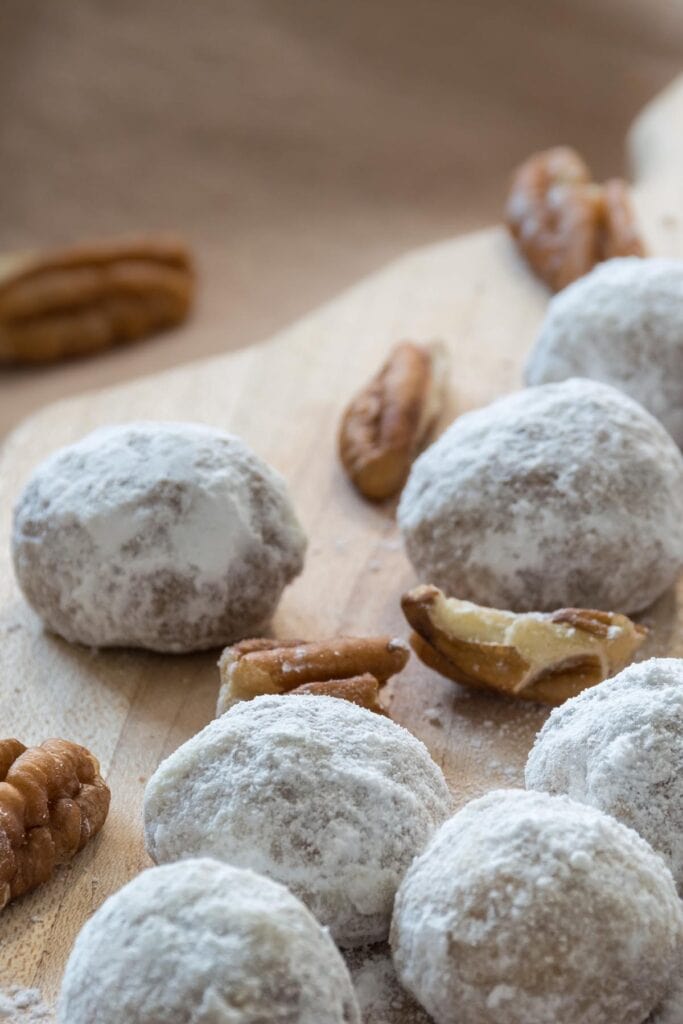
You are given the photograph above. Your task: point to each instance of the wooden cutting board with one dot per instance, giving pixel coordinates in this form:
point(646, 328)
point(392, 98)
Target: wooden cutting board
point(284, 397)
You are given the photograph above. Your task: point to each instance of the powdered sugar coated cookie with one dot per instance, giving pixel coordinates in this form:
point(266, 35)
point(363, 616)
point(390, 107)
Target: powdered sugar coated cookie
point(328, 798)
point(619, 746)
point(203, 942)
point(532, 909)
point(562, 495)
point(621, 324)
point(171, 536)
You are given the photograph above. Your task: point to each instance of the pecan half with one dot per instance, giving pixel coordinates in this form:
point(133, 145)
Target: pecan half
point(563, 222)
point(52, 801)
point(385, 424)
point(255, 667)
point(532, 656)
point(89, 297)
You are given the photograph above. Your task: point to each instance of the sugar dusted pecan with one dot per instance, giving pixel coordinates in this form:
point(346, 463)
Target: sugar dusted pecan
point(252, 668)
point(532, 656)
point(89, 297)
point(52, 801)
point(385, 424)
point(563, 222)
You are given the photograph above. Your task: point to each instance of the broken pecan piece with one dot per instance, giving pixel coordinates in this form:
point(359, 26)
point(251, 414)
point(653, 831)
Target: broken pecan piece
point(532, 656)
point(52, 801)
point(252, 668)
point(563, 222)
point(385, 424)
point(89, 297)
point(362, 690)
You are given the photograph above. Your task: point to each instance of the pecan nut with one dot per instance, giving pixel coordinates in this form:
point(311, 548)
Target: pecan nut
point(362, 690)
point(52, 802)
point(86, 298)
point(563, 222)
point(384, 425)
point(532, 656)
point(252, 668)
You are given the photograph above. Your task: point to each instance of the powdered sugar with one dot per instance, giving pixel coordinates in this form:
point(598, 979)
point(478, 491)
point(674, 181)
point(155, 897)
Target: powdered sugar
point(202, 942)
point(619, 746)
point(317, 793)
point(566, 494)
point(532, 909)
point(621, 324)
point(23, 1006)
point(172, 536)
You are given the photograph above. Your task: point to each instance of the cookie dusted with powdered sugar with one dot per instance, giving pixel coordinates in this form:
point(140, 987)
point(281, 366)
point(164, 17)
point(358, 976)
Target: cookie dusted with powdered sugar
point(563, 495)
point(202, 942)
point(170, 536)
point(326, 797)
point(619, 747)
point(527, 908)
point(622, 324)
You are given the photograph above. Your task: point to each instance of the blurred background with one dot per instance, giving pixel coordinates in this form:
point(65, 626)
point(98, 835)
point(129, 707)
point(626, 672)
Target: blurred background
point(296, 144)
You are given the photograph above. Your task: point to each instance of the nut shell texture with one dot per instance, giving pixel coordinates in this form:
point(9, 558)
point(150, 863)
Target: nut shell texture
point(564, 495)
point(201, 943)
point(532, 909)
point(328, 798)
point(619, 747)
point(171, 536)
point(622, 324)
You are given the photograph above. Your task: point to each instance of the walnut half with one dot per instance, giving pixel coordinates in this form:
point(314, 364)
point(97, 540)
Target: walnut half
point(351, 667)
point(385, 424)
point(532, 656)
point(52, 802)
point(563, 222)
point(82, 299)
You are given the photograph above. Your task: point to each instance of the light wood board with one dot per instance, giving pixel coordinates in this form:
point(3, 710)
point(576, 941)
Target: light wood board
point(284, 397)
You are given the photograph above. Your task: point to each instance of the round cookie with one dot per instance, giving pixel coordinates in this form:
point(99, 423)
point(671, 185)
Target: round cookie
point(621, 324)
point(203, 942)
point(327, 797)
point(170, 536)
point(562, 495)
point(619, 746)
point(532, 909)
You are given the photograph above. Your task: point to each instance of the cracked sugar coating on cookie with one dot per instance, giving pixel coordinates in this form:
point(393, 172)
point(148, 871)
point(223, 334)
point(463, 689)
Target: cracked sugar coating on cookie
point(527, 908)
point(619, 746)
point(621, 324)
point(562, 495)
point(199, 942)
point(171, 536)
point(328, 798)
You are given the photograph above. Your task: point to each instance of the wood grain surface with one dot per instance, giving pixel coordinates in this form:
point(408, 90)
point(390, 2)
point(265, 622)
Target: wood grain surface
point(284, 398)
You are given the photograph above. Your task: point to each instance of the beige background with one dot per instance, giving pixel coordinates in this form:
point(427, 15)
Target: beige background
point(296, 143)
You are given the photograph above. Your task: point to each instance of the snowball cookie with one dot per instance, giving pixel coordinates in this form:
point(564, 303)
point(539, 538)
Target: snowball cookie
point(562, 495)
point(172, 536)
point(327, 797)
point(203, 943)
point(534, 909)
point(621, 324)
point(619, 747)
